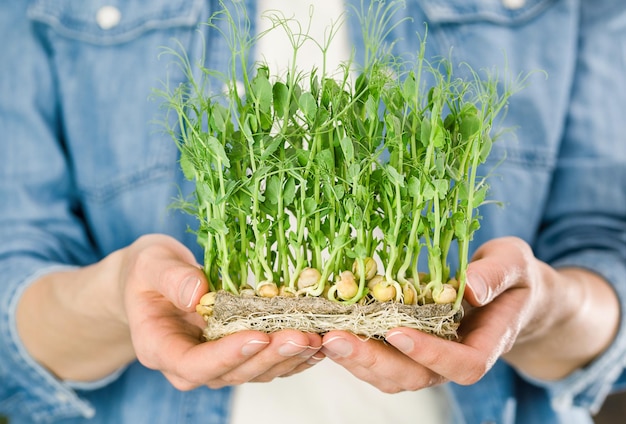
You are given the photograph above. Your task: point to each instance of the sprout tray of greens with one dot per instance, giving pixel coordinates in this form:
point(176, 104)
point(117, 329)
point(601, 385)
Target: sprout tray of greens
point(316, 193)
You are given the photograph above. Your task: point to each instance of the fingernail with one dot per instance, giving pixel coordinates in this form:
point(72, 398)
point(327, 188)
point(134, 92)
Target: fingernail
point(401, 342)
point(188, 290)
point(337, 347)
point(253, 346)
point(479, 288)
point(314, 359)
point(291, 348)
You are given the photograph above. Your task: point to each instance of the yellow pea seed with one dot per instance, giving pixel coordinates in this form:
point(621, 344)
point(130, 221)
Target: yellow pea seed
point(285, 291)
point(308, 277)
point(454, 283)
point(208, 299)
point(374, 280)
point(447, 294)
point(347, 287)
point(371, 268)
point(409, 294)
point(267, 289)
point(383, 291)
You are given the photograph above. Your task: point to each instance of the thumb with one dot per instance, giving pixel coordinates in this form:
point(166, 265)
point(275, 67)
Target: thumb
point(169, 267)
point(190, 289)
point(497, 266)
point(478, 292)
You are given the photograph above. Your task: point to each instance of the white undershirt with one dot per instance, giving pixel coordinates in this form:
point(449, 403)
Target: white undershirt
point(326, 393)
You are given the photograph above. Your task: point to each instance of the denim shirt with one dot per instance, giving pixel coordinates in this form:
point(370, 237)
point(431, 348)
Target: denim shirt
point(85, 169)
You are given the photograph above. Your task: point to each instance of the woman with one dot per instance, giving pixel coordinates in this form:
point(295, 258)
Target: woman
point(100, 282)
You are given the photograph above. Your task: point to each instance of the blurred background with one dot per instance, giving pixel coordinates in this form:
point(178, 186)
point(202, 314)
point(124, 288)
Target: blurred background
point(613, 411)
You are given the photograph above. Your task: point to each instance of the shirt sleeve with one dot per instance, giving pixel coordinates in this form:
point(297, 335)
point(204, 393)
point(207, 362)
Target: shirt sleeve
point(41, 227)
point(585, 219)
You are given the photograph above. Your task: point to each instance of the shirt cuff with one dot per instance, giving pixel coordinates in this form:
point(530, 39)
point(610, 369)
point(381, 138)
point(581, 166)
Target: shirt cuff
point(33, 389)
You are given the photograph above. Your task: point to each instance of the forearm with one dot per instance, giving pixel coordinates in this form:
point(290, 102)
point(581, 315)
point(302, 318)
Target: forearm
point(69, 321)
point(580, 320)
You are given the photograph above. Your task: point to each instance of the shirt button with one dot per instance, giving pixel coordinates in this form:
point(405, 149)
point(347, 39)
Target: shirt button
point(108, 17)
point(513, 4)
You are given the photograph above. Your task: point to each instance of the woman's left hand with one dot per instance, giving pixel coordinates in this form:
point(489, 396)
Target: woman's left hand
point(543, 321)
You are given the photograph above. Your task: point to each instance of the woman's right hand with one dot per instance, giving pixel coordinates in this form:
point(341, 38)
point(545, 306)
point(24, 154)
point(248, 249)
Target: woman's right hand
point(139, 302)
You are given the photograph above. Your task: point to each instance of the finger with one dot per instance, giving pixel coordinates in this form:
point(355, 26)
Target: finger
point(166, 266)
point(188, 363)
point(496, 266)
point(288, 350)
point(377, 363)
point(306, 358)
point(483, 340)
point(311, 362)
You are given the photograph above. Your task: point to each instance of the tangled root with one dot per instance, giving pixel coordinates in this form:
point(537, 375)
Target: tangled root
point(318, 315)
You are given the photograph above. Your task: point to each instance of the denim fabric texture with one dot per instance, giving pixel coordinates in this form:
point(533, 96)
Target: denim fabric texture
point(85, 169)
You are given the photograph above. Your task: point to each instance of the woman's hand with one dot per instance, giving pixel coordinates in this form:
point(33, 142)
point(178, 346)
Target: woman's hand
point(545, 322)
point(162, 284)
point(139, 302)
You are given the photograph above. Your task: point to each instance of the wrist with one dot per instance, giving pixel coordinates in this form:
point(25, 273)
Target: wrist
point(573, 324)
point(84, 337)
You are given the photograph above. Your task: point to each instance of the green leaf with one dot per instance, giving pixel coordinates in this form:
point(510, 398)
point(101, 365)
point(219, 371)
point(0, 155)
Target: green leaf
point(371, 107)
point(319, 238)
point(217, 150)
point(281, 99)
point(414, 187)
point(339, 242)
point(395, 177)
point(442, 186)
point(249, 126)
point(217, 226)
point(469, 127)
point(202, 238)
point(243, 200)
point(308, 106)
point(230, 187)
point(189, 171)
point(361, 85)
point(357, 217)
point(409, 87)
point(460, 226)
point(272, 189)
point(474, 226)
point(437, 137)
point(262, 91)
point(440, 163)
point(272, 146)
point(289, 192)
point(264, 226)
point(310, 205)
point(425, 132)
point(396, 124)
point(205, 193)
point(219, 116)
point(360, 251)
point(429, 191)
point(450, 122)
point(347, 148)
point(479, 196)
point(349, 205)
point(324, 159)
point(485, 148)
point(302, 156)
point(266, 120)
point(353, 172)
